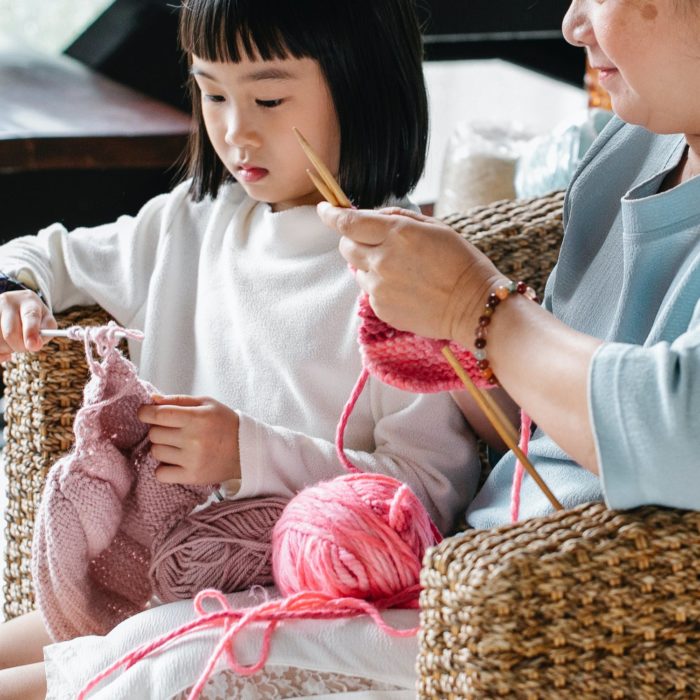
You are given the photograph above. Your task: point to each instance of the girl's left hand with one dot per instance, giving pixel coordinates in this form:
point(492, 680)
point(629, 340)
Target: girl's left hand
point(194, 438)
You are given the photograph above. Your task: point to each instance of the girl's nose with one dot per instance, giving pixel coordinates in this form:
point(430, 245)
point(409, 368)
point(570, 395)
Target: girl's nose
point(576, 25)
point(240, 131)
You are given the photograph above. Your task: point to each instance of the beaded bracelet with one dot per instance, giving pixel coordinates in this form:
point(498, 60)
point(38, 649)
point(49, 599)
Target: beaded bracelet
point(501, 293)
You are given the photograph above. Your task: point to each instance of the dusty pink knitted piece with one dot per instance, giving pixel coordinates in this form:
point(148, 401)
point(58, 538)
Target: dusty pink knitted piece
point(102, 506)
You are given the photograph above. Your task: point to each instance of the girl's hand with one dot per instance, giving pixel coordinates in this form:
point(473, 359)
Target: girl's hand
point(194, 438)
point(420, 275)
point(22, 316)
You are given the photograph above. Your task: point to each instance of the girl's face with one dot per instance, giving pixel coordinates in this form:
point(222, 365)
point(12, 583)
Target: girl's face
point(648, 53)
point(249, 109)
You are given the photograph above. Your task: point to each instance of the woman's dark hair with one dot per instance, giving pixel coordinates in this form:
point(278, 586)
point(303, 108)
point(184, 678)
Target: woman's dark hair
point(370, 52)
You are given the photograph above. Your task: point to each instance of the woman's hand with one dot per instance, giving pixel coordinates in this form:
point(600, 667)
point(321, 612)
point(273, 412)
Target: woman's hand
point(22, 316)
point(420, 275)
point(194, 438)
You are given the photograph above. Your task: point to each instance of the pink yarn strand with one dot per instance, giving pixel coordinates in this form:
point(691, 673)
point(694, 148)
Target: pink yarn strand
point(525, 428)
point(343, 422)
point(300, 606)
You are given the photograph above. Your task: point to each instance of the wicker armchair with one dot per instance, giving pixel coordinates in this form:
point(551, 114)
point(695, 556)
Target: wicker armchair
point(587, 602)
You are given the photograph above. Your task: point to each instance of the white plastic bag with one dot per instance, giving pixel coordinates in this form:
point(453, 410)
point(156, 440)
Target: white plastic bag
point(479, 165)
point(548, 162)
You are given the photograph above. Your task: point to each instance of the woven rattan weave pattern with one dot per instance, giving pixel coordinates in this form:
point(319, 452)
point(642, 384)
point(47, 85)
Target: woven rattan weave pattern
point(586, 604)
point(522, 237)
point(42, 393)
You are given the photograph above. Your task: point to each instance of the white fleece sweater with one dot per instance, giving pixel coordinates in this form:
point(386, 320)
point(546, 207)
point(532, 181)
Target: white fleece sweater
point(257, 310)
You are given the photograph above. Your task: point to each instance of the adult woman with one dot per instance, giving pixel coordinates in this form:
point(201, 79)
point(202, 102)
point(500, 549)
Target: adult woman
point(609, 368)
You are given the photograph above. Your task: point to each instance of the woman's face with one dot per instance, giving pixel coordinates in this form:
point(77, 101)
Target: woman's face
point(648, 53)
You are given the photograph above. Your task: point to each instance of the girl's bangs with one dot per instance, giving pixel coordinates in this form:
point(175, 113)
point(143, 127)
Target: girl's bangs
point(207, 30)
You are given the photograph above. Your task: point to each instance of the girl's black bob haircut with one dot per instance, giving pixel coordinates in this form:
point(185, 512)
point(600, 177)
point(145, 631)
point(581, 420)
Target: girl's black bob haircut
point(370, 52)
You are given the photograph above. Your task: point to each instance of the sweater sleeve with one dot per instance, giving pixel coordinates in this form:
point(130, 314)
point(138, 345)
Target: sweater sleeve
point(645, 412)
point(421, 440)
point(110, 265)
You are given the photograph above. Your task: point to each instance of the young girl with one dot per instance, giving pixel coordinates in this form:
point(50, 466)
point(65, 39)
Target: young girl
point(609, 368)
point(248, 310)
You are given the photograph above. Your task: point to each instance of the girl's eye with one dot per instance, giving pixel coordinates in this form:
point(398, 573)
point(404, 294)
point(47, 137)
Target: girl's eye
point(213, 98)
point(268, 104)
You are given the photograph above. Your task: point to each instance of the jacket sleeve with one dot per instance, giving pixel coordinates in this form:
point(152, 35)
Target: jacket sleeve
point(109, 265)
point(645, 412)
point(422, 440)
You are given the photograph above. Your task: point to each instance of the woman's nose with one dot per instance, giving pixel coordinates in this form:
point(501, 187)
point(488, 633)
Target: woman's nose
point(576, 25)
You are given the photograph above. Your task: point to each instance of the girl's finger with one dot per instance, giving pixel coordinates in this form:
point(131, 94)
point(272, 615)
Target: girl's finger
point(176, 400)
point(167, 416)
point(168, 454)
point(171, 474)
point(31, 315)
point(166, 436)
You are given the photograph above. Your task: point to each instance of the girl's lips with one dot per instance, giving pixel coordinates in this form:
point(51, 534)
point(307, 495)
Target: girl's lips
point(250, 174)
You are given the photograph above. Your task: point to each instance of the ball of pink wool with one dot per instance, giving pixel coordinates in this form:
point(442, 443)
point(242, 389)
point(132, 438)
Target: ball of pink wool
point(360, 535)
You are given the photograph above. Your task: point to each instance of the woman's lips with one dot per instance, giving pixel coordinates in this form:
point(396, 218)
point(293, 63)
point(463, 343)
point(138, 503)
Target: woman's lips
point(250, 174)
point(606, 74)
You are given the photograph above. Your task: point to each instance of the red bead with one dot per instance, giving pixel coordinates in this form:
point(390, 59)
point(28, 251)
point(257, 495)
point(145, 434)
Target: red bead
point(482, 364)
point(484, 320)
point(521, 287)
point(480, 343)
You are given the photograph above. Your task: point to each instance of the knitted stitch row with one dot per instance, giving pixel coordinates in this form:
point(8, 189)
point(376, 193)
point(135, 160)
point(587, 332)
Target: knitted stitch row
point(103, 511)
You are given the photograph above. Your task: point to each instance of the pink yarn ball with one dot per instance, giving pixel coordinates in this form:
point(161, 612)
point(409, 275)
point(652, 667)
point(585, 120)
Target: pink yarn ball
point(360, 535)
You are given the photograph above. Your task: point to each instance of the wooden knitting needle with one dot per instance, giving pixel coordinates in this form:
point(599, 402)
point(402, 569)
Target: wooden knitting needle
point(327, 185)
point(321, 187)
point(324, 173)
point(506, 434)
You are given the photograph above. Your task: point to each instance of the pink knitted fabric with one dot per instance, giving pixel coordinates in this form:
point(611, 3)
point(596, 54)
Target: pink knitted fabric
point(102, 506)
point(414, 363)
point(409, 361)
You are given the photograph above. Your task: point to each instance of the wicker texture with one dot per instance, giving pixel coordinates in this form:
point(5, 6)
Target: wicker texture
point(588, 603)
point(522, 237)
point(43, 392)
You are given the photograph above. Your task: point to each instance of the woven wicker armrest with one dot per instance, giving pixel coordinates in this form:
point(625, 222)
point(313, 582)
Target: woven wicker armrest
point(43, 392)
point(586, 604)
point(522, 237)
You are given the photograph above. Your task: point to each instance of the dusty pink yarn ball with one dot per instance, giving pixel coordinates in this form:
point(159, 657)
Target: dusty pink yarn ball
point(360, 535)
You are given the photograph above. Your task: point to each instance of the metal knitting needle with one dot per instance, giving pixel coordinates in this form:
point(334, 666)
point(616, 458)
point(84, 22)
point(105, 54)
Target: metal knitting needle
point(63, 333)
point(483, 399)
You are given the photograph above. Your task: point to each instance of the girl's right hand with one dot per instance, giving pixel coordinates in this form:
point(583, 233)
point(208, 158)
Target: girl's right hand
point(22, 316)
